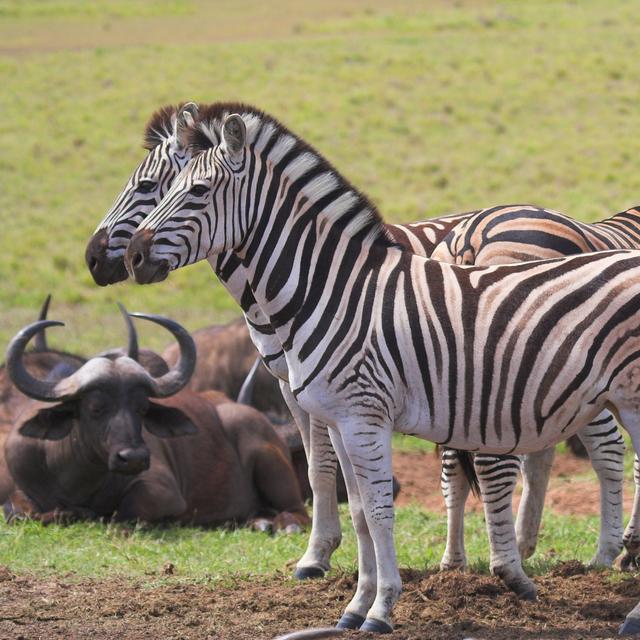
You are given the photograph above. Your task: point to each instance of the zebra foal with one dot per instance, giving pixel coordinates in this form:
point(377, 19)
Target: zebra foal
point(506, 359)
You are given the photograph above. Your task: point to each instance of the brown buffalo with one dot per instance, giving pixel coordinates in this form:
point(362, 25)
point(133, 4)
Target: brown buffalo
point(113, 440)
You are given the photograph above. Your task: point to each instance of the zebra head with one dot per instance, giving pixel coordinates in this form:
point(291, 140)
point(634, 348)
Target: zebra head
point(145, 188)
point(202, 213)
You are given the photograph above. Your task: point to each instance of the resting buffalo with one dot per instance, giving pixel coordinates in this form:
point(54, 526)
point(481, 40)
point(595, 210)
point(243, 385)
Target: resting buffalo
point(225, 357)
point(78, 449)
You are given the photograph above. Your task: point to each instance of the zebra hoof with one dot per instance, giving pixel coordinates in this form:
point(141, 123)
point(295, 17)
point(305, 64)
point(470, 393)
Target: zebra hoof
point(630, 627)
point(376, 626)
point(308, 573)
point(626, 562)
point(350, 621)
point(524, 589)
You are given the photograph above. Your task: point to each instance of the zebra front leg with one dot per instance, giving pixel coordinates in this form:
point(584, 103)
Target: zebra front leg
point(497, 476)
point(628, 559)
point(368, 447)
point(536, 468)
point(356, 610)
point(455, 490)
point(325, 534)
point(605, 446)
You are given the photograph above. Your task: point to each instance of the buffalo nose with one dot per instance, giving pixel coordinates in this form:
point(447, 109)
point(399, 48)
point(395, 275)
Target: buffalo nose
point(134, 460)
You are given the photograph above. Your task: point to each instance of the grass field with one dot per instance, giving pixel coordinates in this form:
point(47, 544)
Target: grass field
point(430, 108)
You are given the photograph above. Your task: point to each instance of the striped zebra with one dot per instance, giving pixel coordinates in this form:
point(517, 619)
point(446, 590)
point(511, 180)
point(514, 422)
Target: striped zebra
point(502, 235)
point(105, 259)
point(507, 359)
point(104, 255)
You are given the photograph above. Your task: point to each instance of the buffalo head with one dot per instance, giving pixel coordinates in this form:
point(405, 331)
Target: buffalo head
point(104, 405)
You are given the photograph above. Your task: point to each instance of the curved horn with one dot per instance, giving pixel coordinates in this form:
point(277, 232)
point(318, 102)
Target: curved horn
point(178, 376)
point(30, 386)
point(132, 344)
point(245, 396)
point(40, 343)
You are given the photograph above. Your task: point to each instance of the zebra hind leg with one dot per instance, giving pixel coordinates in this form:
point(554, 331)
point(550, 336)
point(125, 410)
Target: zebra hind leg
point(628, 559)
point(536, 468)
point(455, 490)
point(605, 446)
point(497, 476)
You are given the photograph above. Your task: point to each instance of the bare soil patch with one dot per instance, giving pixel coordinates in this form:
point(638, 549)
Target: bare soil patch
point(569, 492)
point(573, 603)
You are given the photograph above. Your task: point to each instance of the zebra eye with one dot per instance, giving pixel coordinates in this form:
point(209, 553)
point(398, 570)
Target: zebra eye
point(198, 190)
point(146, 186)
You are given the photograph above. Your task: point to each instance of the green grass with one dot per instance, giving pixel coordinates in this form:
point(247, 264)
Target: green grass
point(104, 550)
point(428, 109)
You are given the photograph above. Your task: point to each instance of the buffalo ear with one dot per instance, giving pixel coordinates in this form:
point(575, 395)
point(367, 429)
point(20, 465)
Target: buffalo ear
point(50, 423)
point(168, 422)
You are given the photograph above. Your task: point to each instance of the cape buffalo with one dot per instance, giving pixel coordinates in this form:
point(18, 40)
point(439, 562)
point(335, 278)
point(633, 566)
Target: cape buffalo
point(103, 442)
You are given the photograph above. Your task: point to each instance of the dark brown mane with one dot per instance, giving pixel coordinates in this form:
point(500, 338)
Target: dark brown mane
point(160, 126)
point(206, 134)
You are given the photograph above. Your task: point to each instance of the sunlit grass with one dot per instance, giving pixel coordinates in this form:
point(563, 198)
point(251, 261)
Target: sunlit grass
point(94, 549)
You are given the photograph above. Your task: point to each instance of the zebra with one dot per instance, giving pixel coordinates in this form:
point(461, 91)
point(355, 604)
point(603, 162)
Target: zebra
point(377, 338)
point(104, 255)
point(104, 258)
point(502, 235)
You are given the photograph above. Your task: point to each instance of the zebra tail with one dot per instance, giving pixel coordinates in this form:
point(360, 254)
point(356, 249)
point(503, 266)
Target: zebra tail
point(469, 470)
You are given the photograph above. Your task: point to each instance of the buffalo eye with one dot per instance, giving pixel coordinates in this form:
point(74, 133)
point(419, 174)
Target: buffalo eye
point(97, 407)
point(146, 186)
point(198, 190)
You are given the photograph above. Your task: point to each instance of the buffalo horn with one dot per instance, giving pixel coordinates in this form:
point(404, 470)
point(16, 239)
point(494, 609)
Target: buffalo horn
point(30, 386)
point(245, 396)
point(132, 336)
point(178, 376)
point(40, 343)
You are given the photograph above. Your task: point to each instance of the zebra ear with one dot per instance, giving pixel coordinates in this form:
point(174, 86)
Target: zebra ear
point(185, 119)
point(234, 133)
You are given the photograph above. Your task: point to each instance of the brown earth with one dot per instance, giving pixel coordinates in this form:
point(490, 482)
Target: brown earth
point(570, 492)
point(573, 604)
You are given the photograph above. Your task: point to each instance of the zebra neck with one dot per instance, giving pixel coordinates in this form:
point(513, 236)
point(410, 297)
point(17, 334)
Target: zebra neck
point(302, 230)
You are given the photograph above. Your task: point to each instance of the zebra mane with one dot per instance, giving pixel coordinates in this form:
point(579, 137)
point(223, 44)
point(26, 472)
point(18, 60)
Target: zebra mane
point(207, 133)
point(161, 126)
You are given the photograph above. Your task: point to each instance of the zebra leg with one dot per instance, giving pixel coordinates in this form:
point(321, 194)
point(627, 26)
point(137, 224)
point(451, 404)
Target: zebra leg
point(536, 468)
point(455, 489)
point(631, 422)
point(368, 447)
point(628, 559)
point(497, 476)
point(325, 534)
point(605, 445)
point(356, 610)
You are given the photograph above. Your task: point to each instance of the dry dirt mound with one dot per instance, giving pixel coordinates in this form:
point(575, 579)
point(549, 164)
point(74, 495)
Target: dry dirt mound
point(419, 476)
point(573, 603)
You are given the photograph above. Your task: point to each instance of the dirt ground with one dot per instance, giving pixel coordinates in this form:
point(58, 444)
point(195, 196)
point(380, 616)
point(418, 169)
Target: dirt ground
point(572, 604)
point(419, 477)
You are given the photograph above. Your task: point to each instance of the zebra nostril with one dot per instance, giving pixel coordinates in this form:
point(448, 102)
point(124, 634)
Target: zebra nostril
point(93, 263)
point(138, 259)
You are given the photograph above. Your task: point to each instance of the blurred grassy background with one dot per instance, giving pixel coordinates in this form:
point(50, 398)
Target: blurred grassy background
point(430, 107)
